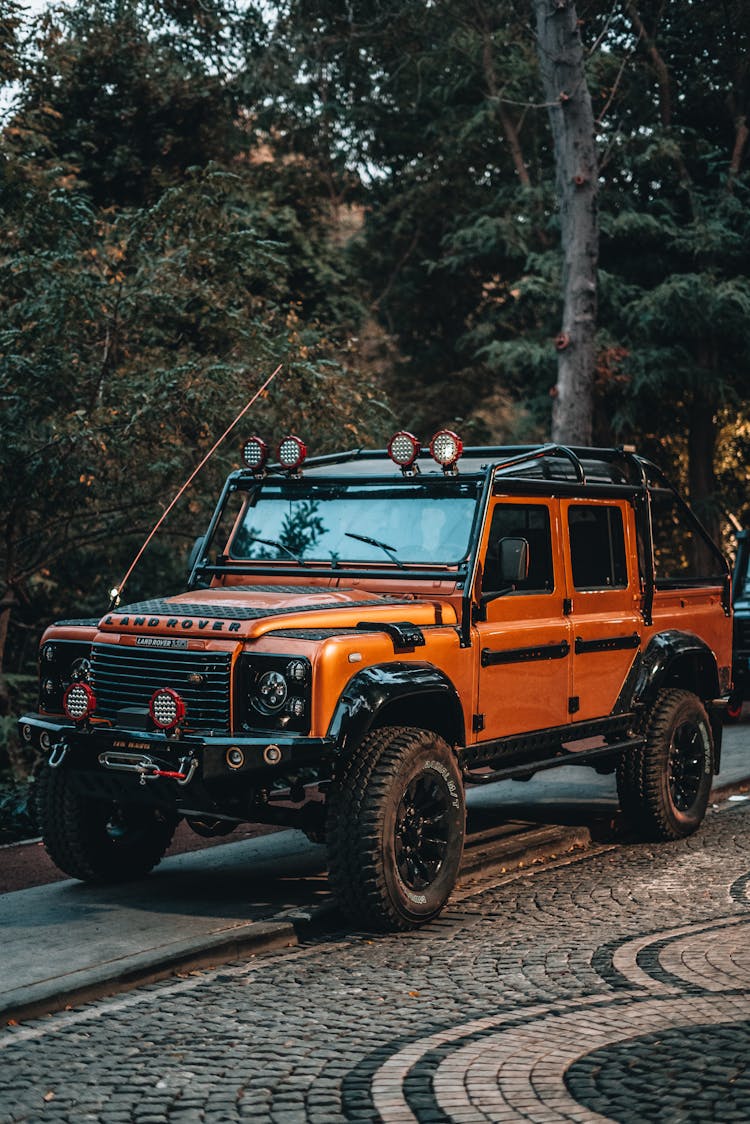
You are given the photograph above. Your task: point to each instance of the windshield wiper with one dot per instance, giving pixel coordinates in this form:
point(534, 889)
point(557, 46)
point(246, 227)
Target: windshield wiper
point(279, 546)
point(390, 550)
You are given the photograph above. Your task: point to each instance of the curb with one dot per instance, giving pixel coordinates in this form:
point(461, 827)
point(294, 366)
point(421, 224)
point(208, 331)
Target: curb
point(147, 967)
point(504, 849)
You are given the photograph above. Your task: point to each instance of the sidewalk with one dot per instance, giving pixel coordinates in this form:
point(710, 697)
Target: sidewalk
point(67, 941)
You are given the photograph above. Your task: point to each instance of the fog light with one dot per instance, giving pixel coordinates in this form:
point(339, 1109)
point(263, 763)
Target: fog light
point(26, 733)
point(79, 702)
point(296, 708)
point(166, 708)
point(272, 755)
point(235, 757)
point(45, 741)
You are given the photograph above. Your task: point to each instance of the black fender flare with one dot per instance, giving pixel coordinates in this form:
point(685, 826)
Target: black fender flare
point(680, 659)
point(659, 662)
point(376, 689)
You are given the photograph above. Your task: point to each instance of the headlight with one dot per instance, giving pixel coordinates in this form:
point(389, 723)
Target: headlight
point(277, 690)
point(61, 663)
point(272, 692)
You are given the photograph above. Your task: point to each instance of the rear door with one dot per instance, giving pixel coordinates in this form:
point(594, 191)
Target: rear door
point(605, 596)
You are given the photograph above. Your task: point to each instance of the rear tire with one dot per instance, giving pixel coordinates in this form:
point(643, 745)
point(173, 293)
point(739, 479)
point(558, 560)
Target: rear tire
point(98, 840)
point(664, 786)
point(395, 829)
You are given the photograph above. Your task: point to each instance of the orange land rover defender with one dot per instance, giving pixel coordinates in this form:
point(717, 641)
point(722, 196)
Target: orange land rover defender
point(365, 634)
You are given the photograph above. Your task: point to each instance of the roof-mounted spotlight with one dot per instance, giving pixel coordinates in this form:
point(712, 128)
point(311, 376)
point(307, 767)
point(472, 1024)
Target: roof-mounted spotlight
point(403, 449)
point(446, 447)
point(291, 453)
point(255, 454)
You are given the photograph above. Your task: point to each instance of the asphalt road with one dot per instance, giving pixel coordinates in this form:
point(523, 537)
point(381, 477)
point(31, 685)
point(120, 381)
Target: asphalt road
point(613, 986)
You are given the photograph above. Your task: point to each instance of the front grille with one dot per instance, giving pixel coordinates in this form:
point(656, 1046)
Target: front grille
point(127, 677)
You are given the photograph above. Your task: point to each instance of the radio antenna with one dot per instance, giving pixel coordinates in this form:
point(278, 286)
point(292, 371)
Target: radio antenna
point(116, 593)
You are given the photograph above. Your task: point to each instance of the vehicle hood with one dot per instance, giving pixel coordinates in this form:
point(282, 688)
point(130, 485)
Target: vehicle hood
point(255, 610)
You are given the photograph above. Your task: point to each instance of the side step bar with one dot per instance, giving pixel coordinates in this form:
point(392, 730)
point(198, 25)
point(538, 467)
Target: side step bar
point(583, 757)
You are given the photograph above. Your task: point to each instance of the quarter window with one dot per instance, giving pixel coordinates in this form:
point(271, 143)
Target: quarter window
point(597, 547)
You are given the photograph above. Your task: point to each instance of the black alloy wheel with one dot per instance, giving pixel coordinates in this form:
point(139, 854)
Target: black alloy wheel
point(686, 758)
point(422, 831)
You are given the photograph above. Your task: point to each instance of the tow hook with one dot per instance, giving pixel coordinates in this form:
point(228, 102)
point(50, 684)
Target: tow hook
point(58, 755)
point(147, 768)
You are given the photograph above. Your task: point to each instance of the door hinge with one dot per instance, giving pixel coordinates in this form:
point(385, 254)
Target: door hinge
point(574, 704)
point(477, 723)
point(567, 606)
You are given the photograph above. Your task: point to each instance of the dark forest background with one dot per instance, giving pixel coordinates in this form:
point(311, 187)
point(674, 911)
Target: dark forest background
point(363, 190)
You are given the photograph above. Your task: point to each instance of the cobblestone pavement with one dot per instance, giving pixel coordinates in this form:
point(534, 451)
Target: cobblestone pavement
point(614, 987)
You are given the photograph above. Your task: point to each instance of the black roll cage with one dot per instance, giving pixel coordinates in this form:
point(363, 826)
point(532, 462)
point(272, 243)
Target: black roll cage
point(500, 470)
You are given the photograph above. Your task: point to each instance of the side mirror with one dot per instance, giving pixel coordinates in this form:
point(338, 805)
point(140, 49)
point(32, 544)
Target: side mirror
point(513, 559)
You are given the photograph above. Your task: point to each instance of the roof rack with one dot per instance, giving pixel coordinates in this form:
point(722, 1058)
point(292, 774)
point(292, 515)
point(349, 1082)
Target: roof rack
point(582, 465)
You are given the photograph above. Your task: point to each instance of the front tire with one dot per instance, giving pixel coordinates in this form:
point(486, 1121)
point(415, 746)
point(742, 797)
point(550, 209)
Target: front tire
point(664, 785)
point(395, 829)
point(98, 840)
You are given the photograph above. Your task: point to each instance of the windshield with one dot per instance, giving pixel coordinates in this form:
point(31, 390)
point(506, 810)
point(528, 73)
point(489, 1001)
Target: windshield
point(327, 522)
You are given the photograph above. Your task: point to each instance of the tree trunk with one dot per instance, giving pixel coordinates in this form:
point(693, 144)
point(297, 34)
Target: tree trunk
point(572, 122)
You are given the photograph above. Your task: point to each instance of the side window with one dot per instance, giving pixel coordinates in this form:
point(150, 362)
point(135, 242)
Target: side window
point(522, 521)
point(597, 547)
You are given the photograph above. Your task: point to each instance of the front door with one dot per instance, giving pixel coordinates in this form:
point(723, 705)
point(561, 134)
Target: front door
point(523, 645)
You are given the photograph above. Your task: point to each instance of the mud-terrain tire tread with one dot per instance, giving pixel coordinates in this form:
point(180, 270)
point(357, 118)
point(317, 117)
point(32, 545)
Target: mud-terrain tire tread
point(68, 822)
point(642, 772)
point(354, 825)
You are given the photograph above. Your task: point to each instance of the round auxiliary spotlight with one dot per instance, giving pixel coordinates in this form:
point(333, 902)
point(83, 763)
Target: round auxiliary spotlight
point(403, 448)
point(79, 701)
point(291, 452)
point(166, 708)
point(446, 447)
point(255, 454)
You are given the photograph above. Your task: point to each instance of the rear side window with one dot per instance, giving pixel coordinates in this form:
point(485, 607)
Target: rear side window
point(597, 547)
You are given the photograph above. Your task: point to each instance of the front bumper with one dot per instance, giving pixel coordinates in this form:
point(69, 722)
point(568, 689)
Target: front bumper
point(84, 747)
